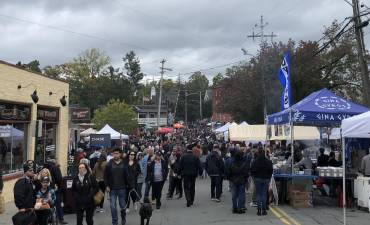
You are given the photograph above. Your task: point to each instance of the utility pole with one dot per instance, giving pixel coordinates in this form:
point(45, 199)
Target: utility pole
point(262, 37)
point(186, 108)
point(361, 53)
point(160, 90)
point(200, 105)
point(178, 95)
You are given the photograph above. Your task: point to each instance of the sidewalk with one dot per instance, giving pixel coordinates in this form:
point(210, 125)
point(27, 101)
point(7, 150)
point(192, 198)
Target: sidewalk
point(10, 210)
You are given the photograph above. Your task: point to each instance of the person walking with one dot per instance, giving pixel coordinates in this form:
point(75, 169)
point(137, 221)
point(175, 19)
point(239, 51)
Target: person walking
point(45, 199)
point(190, 168)
point(116, 178)
point(84, 187)
point(24, 189)
point(141, 178)
point(261, 171)
point(215, 168)
point(133, 171)
point(148, 158)
point(176, 179)
point(157, 175)
point(98, 173)
point(238, 174)
point(57, 178)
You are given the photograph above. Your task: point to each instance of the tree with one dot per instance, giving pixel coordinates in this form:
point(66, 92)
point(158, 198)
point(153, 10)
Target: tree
point(33, 66)
point(133, 69)
point(118, 115)
point(335, 68)
point(217, 79)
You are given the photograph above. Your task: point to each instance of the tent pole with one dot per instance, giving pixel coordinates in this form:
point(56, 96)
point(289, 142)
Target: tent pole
point(344, 177)
point(292, 140)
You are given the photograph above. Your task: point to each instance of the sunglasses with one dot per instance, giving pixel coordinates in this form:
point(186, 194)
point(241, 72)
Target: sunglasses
point(132, 154)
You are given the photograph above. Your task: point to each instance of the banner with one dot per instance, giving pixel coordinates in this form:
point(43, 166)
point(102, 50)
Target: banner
point(100, 140)
point(284, 77)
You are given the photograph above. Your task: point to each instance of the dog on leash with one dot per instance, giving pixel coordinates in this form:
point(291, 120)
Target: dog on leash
point(145, 211)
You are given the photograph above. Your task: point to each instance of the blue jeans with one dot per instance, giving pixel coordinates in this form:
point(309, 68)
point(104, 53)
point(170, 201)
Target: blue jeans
point(261, 191)
point(147, 189)
point(121, 195)
point(238, 196)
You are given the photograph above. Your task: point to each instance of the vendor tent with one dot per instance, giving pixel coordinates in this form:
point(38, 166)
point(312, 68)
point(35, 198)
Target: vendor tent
point(300, 133)
point(247, 133)
point(243, 123)
point(88, 132)
point(223, 129)
point(114, 135)
point(321, 108)
point(357, 126)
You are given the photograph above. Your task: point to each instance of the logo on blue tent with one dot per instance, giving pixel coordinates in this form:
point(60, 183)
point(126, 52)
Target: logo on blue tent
point(332, 103)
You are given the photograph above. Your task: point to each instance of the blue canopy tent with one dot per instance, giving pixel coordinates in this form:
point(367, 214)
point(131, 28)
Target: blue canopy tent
point(321, 108)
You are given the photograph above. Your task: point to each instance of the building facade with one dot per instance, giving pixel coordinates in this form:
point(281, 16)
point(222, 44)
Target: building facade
point(33, 122)
point(217, 115)
point(147, 115)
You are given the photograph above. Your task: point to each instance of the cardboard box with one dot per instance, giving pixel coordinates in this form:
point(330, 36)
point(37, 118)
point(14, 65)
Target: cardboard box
point(301, 203)
point(298, 195)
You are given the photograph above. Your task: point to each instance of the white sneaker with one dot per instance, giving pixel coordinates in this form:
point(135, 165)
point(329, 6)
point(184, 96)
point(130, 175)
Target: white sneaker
point(127, 211)
point(213, 199)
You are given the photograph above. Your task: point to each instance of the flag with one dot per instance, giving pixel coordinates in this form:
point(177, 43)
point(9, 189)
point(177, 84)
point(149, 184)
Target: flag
point(284, 77)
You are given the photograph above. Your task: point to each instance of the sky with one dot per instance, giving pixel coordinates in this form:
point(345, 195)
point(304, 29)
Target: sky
point(190, 34)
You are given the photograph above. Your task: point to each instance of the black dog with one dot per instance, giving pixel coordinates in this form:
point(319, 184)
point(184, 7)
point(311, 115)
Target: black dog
point(145, 211)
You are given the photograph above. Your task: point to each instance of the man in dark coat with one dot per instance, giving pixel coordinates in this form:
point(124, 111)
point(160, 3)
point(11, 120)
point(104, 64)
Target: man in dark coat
point(190, 168)
point(215, 168)
point(24, 191)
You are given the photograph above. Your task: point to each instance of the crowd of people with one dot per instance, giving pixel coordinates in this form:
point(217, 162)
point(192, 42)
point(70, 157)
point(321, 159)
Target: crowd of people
point(130, 173)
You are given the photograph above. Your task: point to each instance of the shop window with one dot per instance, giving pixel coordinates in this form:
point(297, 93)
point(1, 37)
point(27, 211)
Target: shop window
point(142, 115)
point(47, 125)
point(152, 115)
point(13, 146)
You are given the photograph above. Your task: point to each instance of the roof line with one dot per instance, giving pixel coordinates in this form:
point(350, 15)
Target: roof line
point(40, 74)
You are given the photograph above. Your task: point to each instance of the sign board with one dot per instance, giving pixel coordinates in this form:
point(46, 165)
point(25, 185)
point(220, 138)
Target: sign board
point(100, 140)
point(47, 114)
point(80, 114)
point(9, 111)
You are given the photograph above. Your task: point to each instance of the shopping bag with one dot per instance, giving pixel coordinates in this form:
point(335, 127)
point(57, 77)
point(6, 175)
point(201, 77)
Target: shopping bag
point(2, 204)
point(98, 197)
point(274, 190)
point(24, 218)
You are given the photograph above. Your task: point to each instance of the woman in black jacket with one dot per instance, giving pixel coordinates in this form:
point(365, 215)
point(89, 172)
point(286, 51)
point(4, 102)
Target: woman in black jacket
point(84, 188)
point(157, 175)
point(133, 171)
point(261, 171)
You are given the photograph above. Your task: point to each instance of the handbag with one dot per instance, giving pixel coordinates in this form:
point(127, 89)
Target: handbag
point(24, 218)
point(98, 197)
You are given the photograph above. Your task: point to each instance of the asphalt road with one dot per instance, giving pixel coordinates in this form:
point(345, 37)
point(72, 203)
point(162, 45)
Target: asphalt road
point(206, 212)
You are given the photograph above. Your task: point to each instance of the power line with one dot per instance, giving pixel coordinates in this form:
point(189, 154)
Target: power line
point(73, 32)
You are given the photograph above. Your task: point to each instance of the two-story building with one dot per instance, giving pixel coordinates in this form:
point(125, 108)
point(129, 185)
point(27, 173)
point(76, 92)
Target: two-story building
point(147, 115)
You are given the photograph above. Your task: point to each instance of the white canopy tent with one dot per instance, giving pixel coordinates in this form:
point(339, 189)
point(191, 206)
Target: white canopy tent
point(243, 123)
point(223, 129)
point(114, 135)
point(357, 126)
point(88, 132)
point(353, 127)
point(247, 133)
